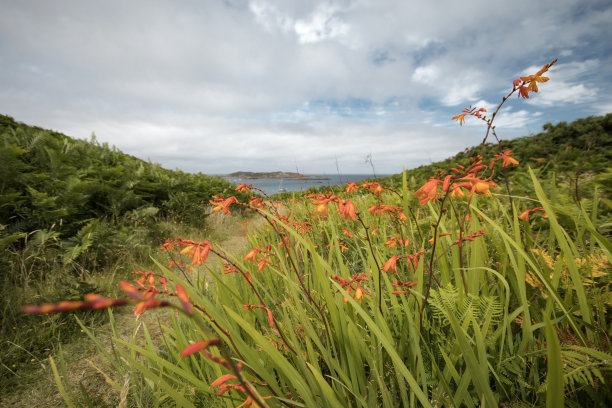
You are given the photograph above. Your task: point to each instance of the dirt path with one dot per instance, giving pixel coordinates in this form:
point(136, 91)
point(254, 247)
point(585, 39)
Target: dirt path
point(84, 363)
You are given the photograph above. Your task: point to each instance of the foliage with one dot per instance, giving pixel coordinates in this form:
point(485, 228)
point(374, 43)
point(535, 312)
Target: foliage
point(67, 211)
point(449, 295)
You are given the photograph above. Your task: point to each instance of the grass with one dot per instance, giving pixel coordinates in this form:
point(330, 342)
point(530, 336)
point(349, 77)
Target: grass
point(31, 340)
point(453, 339)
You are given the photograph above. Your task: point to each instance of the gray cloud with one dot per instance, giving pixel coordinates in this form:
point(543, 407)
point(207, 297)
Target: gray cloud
point(217, 86)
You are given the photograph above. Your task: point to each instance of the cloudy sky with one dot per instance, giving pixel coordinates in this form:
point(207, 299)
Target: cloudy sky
point(219, 86)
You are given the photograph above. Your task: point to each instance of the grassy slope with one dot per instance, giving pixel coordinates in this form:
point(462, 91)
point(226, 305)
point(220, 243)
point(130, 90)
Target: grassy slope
point(66, 229)
point(580, 147)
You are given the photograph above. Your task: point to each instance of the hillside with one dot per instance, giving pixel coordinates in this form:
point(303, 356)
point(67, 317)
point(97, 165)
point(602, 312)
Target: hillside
point(47, 177)
point(582, 147)
point(75, 217)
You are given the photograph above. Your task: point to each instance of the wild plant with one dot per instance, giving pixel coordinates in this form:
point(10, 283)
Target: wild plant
point(455, 294)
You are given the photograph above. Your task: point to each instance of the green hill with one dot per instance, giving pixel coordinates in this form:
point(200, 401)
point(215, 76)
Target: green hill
point(580, 149)
point(67, 227)
point(49, 178)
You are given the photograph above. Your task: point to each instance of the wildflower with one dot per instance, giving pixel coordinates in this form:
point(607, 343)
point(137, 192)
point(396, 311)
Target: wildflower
point(531, 81)
point(130, 290)
point(302, 227)
point(428, 191)
point(251, 256)
point(181, 293)
point(350, 187)
point(321, 204)
point(340, 245)
point(168, 245)
point(373, 187)
point(391, 264)
point(141, 307)
point(456, 192)
point(198, 251)
point(446, 182)
point(347, 233)
point(400, 284)
point(347, 284)
point(146, 277)
point(261, 263)
point(224, 386)
point(460, 118)
point(347, 210)
point(393, 241)
point(506, 159)
point(257, 202)
point(270, 317)
point(223, 204)
point(413, 259)
point(478, 186)
point(525, 214)
point(199, 346)
point(244, 187)
point(523, 92)
point(92, 301)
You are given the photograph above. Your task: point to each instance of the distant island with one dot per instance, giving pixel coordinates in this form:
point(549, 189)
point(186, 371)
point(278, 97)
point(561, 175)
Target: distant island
point(273, 174)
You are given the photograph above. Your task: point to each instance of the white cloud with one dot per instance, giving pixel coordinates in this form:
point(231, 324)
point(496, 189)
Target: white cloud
point(286, 80)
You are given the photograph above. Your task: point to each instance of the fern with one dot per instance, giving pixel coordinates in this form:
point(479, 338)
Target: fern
point(584, 367)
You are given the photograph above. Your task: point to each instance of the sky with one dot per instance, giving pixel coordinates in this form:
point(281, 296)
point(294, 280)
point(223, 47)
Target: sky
point(218, 86)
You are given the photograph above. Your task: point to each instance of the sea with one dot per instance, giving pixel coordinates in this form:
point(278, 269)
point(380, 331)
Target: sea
point(276, 185)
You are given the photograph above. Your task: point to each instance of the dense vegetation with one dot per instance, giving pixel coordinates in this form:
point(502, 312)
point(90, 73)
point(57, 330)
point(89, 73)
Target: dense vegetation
point(67, 211)
point(477, 282)
point(576, 151)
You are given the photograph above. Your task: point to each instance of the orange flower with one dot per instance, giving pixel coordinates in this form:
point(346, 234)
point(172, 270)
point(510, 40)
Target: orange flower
point(261, 264)
point(347, 210)
point(322, 205)
point(373, 187)
point(400, 284)
point(457, 192)
point(478, 186)
point(181, 293)
point(198, 251)
point(523, 92)
point(506, 159)
point(391, 264)
point(223, 204)
point(252, 255)
point(530, 82)
point(525, 214)
point(270, 317)
point(358, 290)
point(350, 187)
point(199, 346)
point(428, 191)
point(244, 187)
point(257, 202)
point(460, 118)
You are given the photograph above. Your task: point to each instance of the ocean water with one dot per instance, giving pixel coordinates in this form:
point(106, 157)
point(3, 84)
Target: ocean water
point(273, 185)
